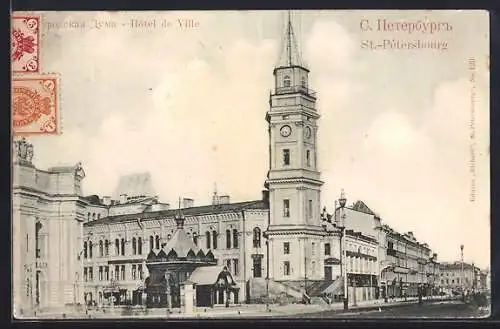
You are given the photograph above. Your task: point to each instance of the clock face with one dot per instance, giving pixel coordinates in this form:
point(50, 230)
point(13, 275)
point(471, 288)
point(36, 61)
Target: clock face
point(285, 131)
point(308, 132)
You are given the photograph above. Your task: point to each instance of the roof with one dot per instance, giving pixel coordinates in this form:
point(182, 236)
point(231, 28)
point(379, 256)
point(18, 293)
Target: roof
point(362, 207)
point(93, 199)
point(181, 244)
point(192, 211)
point(208, 275)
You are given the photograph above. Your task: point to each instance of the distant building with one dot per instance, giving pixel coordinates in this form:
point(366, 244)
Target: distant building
point(455, 276)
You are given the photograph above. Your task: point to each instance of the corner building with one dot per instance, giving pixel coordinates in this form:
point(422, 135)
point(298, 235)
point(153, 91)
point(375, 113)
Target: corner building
point(48, 212)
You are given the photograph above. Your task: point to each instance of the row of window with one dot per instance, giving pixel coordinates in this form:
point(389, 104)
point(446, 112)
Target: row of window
point(287, 269)
point(93, 216)
point(286, 248)
point(119, 273)
point(453, 281)
point(233, 266)
point(287, 81)
point(286, 157)
point(155, 243)
point(286, 208)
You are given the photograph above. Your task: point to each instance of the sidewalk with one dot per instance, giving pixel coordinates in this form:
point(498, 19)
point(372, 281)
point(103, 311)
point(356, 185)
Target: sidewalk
point(247, 310)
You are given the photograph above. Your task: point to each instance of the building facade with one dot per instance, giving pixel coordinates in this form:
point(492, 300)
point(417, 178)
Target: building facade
point(48, 212)
point(457, 277)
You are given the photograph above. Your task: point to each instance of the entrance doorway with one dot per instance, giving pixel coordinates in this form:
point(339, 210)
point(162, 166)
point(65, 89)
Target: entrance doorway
point(328, 273)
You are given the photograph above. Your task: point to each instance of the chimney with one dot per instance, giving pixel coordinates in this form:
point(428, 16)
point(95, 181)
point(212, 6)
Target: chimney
point(123, 198)
point(224, 199)
point(106, 200)
point(265, 196)
point(187, 203)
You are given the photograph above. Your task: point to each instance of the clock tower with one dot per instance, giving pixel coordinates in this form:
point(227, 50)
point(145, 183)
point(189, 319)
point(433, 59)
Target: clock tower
point(294, 232)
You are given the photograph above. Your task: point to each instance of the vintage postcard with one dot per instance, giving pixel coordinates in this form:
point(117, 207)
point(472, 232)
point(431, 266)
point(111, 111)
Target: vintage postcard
point(250, 164)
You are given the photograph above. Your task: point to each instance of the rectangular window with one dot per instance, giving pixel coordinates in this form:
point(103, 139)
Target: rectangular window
point(236, 267)
point(286, 267)
point(327, 249)
point(313, 248)
point(286, 248)
point(117, 272)
point(309, 208)
point(228, 264)
point(139, 269)
point(91, 273)
point(85, 275)
point(308, 158)
point(134, 272)
point(106, 273)
point(286, 208)
point(286, 157)
point(390, 245)
point(123, 272)
point(100, 273)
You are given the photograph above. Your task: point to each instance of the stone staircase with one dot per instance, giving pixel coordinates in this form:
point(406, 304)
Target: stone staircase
point(278, 292)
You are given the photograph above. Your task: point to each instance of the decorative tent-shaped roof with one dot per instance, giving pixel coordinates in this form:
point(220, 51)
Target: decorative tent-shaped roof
point(181, 243)
point(212, 275)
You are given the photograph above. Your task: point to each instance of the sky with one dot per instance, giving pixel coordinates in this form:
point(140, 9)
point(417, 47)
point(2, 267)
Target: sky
point(188, 106)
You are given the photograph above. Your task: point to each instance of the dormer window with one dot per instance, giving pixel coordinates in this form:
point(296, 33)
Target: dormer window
point(287, 82)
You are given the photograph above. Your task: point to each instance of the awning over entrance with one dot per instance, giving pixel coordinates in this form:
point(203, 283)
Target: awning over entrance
point(212, 275)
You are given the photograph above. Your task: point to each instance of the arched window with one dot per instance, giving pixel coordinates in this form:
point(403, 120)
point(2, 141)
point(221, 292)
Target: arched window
point(117, 247)
point(228, 239)
point(93, 216)
point(139, 246)
point(88, 216)
point(134, 246)
point(195, 238)
point(151, 242)
point(98, 216)
point(303, 82)
point(256, 237)
point(157, 242)
point(214, 239)
point(90, 249)
point(308, 158)
point(123, 247)
point(101, 250)
point(286, 81)
point(207, 236)
point(235, 238)
point(313, 248)
point(85, 251)
point(106, 247)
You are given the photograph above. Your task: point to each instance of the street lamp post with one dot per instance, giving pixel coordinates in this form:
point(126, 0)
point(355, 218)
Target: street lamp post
point(462, 270)
point(341, 226)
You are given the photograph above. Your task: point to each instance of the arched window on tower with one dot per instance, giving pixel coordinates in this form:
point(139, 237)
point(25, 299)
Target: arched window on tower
point(157, 242)
point(134, 246)
point(235, 238)
point(287, 82)
point(228, 239)
point(214, 239)
point(256, 237)
point(207, 237)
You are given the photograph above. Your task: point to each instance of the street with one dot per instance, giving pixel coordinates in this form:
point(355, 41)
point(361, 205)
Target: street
point(434, 310)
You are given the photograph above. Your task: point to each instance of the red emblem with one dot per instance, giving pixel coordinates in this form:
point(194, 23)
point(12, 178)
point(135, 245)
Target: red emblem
point(25, 44)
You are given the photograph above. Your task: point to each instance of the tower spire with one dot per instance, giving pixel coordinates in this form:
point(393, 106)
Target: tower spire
point(290, 55)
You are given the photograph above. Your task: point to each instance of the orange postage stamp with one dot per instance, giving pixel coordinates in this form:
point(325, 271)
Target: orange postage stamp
point(35, 104)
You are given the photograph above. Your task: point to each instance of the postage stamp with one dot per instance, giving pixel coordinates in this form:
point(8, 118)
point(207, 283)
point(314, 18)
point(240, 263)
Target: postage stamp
point(35, 104)
point(25, 45)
